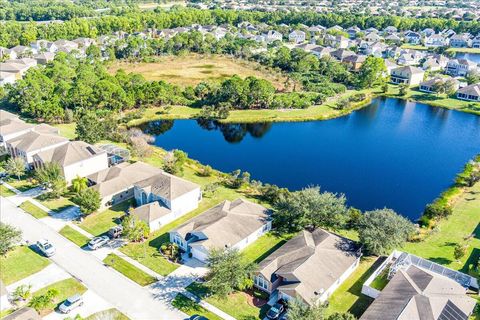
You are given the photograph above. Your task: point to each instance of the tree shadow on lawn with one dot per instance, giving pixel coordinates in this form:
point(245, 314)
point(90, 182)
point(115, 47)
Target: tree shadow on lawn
point(363, 301)
point(472, 261)
point(441, 260)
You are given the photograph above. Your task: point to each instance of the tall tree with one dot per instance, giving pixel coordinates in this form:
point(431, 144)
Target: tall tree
point(228, 271)
point(383, 230)
point(15, 167)
point(372, 73)
point(9, 237)
point(135, 229)
point(89, 127)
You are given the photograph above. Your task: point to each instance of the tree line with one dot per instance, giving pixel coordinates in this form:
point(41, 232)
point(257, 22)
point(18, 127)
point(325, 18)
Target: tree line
point(134, 21)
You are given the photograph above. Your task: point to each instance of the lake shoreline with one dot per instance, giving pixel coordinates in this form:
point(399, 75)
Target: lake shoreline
point(276, 115)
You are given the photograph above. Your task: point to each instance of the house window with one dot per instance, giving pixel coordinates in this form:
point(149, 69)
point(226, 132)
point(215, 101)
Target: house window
point(261, 282)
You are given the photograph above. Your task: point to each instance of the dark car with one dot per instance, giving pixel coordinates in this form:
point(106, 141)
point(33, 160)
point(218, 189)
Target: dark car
point(115, 232)
point(197, 317)
point(275, 311)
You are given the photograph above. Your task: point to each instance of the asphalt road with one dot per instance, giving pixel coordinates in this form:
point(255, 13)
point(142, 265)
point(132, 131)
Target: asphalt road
point(128, 297)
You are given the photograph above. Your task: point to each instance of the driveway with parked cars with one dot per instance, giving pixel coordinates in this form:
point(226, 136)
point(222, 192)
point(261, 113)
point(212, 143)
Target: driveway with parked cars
point(121, 293)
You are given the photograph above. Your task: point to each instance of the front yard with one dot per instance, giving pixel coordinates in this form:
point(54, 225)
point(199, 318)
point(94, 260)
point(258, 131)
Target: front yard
point(20, 263)
point(56, 205)
point(98, 223)
point(25, 183)
point(74, 236)
point(191, 308)
point(129, 270)
point(66, 288)
point(239, 305)
point(33, 210)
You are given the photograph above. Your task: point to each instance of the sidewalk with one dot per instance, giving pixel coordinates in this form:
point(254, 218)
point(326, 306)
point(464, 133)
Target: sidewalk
point(50, 274)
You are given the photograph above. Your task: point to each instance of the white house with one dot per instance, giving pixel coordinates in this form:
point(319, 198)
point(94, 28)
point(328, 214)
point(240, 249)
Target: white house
point(460, 67)
point(230, 224)
point(460, 41)
point(12, 127)
point(75, 158)
point(435, 41)
point(163, 198)
point(469, 93)
point(115, 184)
point(411, 76)
point(272, 36)
point(309, 267)
point(296, 36)
point(32, 143)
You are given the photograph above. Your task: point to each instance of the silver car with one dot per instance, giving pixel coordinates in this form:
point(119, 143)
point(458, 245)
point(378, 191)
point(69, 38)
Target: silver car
point(71, 303)
point(46, 247)
point(98, 242)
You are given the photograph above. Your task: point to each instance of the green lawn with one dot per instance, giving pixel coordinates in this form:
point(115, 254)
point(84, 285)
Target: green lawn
point(348, 297)
point(25, 183)
point(66, 288)
point(129, 270)
point(381, 280)
point(263, 247)
point(435, 100)
point(56, 205)
point(5, 192)
point(464, 222)
point(465, 50)
point(98, 223)
point(74, 236)
point(67, 130)
point(191, 308)
point(33, 210)
point(110, 314)
point(237, 304)
point(20, 263)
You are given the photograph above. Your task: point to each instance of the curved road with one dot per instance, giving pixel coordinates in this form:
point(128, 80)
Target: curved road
point(133, 300)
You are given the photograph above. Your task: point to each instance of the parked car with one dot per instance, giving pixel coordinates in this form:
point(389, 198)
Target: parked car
point(197, 317)
point(115, 232)
point(98, 242)
point(71, 303)
point(275, 311)
point(46, 247)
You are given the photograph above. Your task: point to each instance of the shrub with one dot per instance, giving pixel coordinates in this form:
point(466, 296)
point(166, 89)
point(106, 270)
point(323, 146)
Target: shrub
point(88, 200)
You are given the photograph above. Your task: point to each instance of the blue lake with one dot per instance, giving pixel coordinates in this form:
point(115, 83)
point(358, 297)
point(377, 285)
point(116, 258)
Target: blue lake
point(393, 153)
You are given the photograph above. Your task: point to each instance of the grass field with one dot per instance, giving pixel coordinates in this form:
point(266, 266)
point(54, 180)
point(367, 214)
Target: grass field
point(191, 308)
point(464, 50)
point(192, 69)
point(33, 210)
point(66, 288)
point(129, 270)
point(5, 192)
point(56, 205)
point(67, 130)
point(98, 223)
point(74, 236)
point(263, 247)
point(20, 263)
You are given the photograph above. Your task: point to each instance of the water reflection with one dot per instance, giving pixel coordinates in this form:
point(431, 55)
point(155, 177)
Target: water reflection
point(235, 132)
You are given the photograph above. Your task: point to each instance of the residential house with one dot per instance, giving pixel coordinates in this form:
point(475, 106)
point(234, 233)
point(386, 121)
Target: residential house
point(84, 42)
point(419, 293)
point(430, 86)
point(75, 158)
point(460, 41)
point(469, 93)
point(435, 63)
point(339, 42)
point(7, 77)
point(390, 30)
point(435, 41)
point(43, 46)
point(355, 61)
point(272, 36)
point(6, 53)
point(297, 36)
point(66, 45)
point(25, 313)
point(15, 67)
point(373, 37)
point(376, 49)
point(307, 47)
point(409, 75)
point(413, 37)
point(372, 30)
point(11, 127)
point(308, 267)
point(44, 58)
point(390, 65)
point(428, 32)
point(341, 54)
point(476, 42)
point(393, 38)
point(321, 51)
point(230, 224)
point(22, 51)
point(460, 67)
point(31, 143)
point(315, 30)
point(352, 32)
point(163, 198)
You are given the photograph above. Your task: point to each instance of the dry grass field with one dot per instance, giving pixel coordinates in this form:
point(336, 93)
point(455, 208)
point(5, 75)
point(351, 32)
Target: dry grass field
point(192, 69)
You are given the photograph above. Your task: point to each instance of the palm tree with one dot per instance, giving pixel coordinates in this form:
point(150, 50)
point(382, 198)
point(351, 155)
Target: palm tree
point(79, 184)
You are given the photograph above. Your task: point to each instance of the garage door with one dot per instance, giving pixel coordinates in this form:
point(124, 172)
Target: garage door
point(197, 254)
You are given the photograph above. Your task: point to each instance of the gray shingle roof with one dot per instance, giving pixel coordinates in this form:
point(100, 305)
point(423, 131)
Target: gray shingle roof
point(167, 186)
point(70, 153)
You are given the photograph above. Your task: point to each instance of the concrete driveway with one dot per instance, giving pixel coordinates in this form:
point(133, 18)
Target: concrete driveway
point(131, 299)
point(92, 303)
